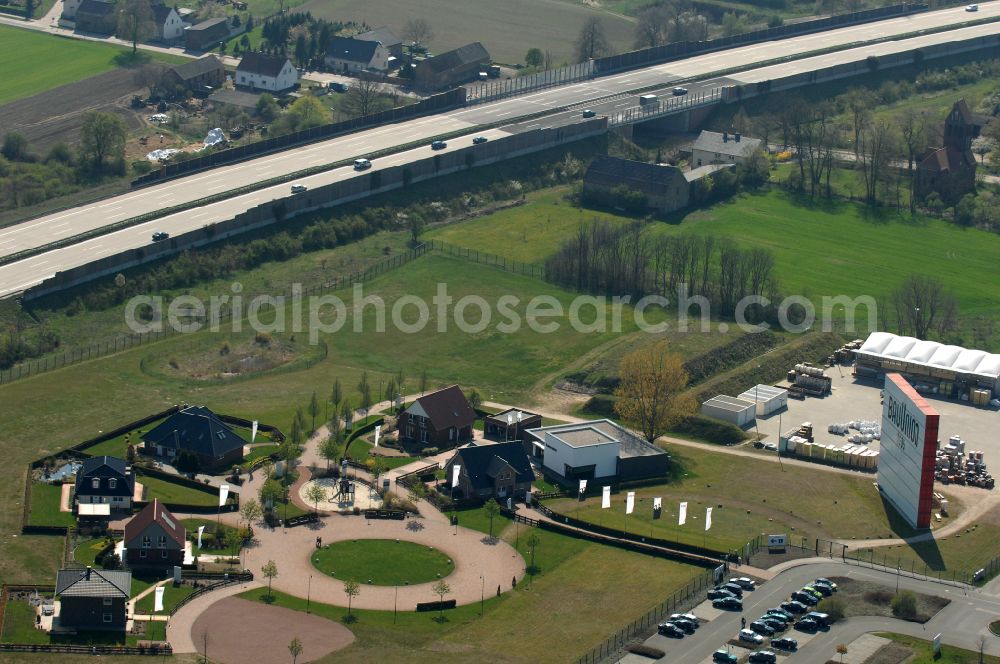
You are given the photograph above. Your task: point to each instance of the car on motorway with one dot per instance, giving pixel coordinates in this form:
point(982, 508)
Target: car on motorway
point(724, 657)
point(763, 656)
point(719, 593)
point(760, 627)
point(785, 643)
point(685, 616)
point(438, 145)
point(589, 113)
point(823, 581)
point(479, 140)
point(972, 8)
point(159, 236)
point(299, 188)
point(680, 92)
point(807, 625)
point(361, 164)
point(794, 607)
point(728, 603)
point(744, 582)
point(804, 598)
point(671, 630)
point(750, 636)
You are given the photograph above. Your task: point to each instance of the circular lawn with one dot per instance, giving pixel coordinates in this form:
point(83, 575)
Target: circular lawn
point(382, 562)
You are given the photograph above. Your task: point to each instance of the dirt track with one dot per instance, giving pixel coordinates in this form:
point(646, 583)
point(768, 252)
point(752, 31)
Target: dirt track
point(55, 115)
point(241, 631)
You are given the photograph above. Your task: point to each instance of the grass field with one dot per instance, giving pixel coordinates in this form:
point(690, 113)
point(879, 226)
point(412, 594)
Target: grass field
point(923, 652)
point(171, 596)
point(963, 553)
point(382, 562)
point(169, 492)
point(506, 29)
point(85, 551)
point(45, 500)
point(35, 61)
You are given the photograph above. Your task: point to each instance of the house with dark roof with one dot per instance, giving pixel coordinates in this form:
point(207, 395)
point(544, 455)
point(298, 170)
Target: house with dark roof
point(154, 539)
point(168, 25)
point(499, 470)
point(347, 55)
point(383, 35)
point(599, 450)
point(258, 71)
point(103, 484)
point(91, 599)
point(96, 16)
point(205, 72)
point(510, 424)
point(664, 187)
point(440, 419)
point(195, 430)
point(452, 68)
point(950, 171)
point(711, 147)
point(207, 35)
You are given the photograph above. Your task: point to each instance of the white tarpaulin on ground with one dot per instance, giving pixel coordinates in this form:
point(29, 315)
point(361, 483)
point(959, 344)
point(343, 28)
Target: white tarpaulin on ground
point(201, 529)
point(94, 509)
point(630, 502)
point(215, 136)
point(253, 431)
point(708, 518)
point(605, 498)
point(378, 432)
point(161, 155)
point(455, 470)
point(682, 516)
point(158, 598)
point(223, 494)
point(583, 486)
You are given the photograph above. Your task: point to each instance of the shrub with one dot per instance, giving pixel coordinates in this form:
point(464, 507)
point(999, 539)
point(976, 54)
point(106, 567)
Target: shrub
point(141, 166)
point(429, 451)
point(602, 405)
point(904, 605)
point(834, 606)
point(881, 596)
point(713, 431)
point(646, 651)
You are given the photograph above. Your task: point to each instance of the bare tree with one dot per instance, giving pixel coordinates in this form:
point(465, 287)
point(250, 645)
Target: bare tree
point(365, 96)
point(592, 42)
point(912, 129)
point(548, 60)
point(135, 22)
point(875, 146)
point(859, 102)
point(418, 31)
point(687, 26)
point(652, 26)
point(923, 305)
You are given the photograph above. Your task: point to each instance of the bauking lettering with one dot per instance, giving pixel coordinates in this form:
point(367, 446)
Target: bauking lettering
point(906, 423)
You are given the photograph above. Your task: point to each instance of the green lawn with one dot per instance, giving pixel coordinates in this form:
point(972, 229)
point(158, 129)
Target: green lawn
point(118, 446)
point(960, 554)
point(85, 551)
point(171, 596)
point(382, 562)
point(923, 652)
point(261, 451)
point(45, 500)
point(209, 536)
point(169, 492)
point(35, 61)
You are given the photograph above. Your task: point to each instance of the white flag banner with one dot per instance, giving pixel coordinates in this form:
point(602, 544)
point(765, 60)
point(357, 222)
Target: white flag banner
point(583, 486)
point(708, 518)
point(520, 415)
point(527, 499)
point(605, 498)
point(253, 431)
point(201, 529)
point(378, 432)
point(223, 494)
point(630, 502)
point(682, 516)
point(158, 599)
point(510, 419)
point(455, 470)
point(657, 503)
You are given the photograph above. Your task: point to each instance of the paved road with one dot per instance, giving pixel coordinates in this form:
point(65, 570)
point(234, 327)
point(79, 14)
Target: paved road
point(961, 623)
point(611, 90)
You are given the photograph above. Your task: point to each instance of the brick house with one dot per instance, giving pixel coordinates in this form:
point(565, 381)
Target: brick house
point(664, 187)
point(500, 471)
point(440, 419)
point(91, 599)
point(510, 424)
point(452, 68)
point(197, 431)
point(950, 171)
point(104, 480)
point(154, 539)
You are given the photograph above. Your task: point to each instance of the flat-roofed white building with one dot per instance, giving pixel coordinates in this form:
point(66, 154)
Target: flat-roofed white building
point(730, 409)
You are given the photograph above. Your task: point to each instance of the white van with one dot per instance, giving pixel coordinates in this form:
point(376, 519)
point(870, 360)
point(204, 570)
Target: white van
point(361, 164)
point(646, 100)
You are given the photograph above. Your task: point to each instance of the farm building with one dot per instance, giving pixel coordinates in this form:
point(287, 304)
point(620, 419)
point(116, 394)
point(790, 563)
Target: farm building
point(206, 35)
point(167, 23)
point(726, 148)
point(452, 68)
point(96, 16)
point(950, 171)
point(384, 36)
point(491, 471)
point(274, 73)
point(769, 399)
point(730, 409)
point(206, 72)
point(510, 425)
point(439, 419)
point(598, 450)
point(949, 371)
point(351, 55)
point(664, 187)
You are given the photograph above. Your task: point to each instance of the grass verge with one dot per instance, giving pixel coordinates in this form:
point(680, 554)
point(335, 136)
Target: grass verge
point(382, 562)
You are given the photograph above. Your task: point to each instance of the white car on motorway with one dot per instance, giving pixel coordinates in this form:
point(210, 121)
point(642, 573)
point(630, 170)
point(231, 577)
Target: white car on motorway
point(299, 188)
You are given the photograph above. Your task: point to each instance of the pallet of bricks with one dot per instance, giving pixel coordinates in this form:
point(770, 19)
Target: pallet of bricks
point(807, 380)
point(953, 465)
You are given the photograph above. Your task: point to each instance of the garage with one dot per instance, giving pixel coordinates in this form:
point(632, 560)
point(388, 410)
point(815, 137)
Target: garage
point(769, 399)
point(730, 409)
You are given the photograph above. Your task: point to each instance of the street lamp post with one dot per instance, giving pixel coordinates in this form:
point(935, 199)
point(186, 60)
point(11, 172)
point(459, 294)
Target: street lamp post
point(482, 596)
point(395, 598)
point(309, 592)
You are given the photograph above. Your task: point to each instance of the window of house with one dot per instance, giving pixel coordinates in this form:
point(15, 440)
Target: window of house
point(163, 541)
point(107, 617)
point(112, 483)
point(147, 541)
point(107, 601)
point(95, 483)
point(423, 436)
point(163, 554)
point(142, 553)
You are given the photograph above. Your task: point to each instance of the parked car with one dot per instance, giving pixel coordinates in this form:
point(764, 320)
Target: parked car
point(479, 140)
point(794, 607)
point(671, 630)
point(770, 447)
point(775, 623)
point(809, 590)
point(788, 615)
point(822, 618)
point(760, 627)
point(684, 624)
point(744, 582)
point(160, 235)
point(805, 598)
point(718, 593)
point(686, 616)
point(750, 636)
point(724, 657)
point(361, 164)
point(678, 92)
point(728, 603)
point(764, 656)
point(785, 643)
point(807, 625)
point(776, 617)
point(299, 188)
point(731, 587)
point(438, 145)
point(589, 113)
point(823, 591)
point(822, 581)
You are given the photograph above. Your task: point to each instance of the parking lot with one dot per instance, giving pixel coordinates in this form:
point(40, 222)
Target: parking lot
point(860, 400)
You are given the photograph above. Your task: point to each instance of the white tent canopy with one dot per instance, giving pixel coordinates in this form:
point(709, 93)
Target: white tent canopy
point(885, 345)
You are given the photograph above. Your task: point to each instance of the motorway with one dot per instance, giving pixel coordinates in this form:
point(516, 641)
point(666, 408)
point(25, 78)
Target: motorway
point(611, 91)
point(961, 623)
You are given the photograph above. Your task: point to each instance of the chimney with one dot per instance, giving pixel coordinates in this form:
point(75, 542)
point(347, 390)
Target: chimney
point(725, 137)
point(86, 575)
point(737, 136)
